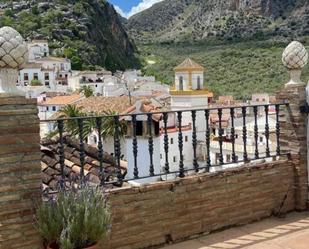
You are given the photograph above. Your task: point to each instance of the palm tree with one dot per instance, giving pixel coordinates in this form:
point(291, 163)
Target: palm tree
point(68, 112)
point(87, 91)
point(108, 125)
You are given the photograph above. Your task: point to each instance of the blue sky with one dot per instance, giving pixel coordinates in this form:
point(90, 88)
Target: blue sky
point(127, 8)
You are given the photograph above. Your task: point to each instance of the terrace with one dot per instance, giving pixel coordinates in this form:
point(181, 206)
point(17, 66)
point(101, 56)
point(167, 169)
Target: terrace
point(155, 199)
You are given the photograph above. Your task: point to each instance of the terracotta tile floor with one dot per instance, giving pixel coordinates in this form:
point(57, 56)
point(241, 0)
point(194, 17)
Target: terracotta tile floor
point(291, 232)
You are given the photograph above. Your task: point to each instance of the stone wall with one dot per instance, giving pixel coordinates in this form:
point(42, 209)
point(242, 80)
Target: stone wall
point(20, 172)
point(170, 211)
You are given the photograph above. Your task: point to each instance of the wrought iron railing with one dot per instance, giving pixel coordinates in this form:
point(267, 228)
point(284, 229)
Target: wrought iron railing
point(171, 123)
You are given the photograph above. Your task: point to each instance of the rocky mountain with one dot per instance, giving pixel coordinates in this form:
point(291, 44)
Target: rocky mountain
point(89, 32)
point(198, 19)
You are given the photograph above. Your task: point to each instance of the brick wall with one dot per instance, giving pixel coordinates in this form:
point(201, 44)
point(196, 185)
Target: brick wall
point(20, 172)
point(293, 138)
point(165, 211)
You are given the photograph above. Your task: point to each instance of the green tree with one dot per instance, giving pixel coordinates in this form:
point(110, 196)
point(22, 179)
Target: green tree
point(87, 91)
point(69, 112)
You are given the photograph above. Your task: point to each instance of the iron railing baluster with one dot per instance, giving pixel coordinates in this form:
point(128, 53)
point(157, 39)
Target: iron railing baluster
point(278, 150)
point(135, 146)
point(150, 144)
point(208, 161)
point(117, 149)
point(232, 113)
point(80, 123)
point(267, 130)
point(60, 124)
point(194, 141)
point(165, 119)
point(244, 133)
point(100, 150)
point(221, 160)
point(180, 144)
point(256, 132)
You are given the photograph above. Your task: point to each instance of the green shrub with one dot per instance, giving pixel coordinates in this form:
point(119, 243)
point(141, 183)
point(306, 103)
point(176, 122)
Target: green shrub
point(35, 82)
point(74, 219)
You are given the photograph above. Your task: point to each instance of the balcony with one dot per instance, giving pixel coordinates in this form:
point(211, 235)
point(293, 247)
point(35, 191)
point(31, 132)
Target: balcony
point(291, 232)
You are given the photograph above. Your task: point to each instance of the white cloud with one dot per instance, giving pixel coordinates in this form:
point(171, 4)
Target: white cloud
point(120, 11)
point(145, 4)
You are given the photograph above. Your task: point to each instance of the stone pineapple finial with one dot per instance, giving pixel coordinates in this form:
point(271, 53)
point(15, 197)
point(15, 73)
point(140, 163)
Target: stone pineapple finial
point(294, 58)
point(13, 55)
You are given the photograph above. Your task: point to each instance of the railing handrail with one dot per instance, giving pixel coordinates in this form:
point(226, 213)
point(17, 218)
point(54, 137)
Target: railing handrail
point(168, 112)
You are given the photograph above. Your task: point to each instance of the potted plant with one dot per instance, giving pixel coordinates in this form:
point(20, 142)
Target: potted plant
point(75, 219)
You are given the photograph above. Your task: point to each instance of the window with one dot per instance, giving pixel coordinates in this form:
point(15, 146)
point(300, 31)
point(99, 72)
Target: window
point(214, 131)
point(44, 98)
point(26, 76)
point(186, 138)
point(160, 156)
point(198, 82)
point(172, 140)
point(228, 158)
point(54, 108)
point(47, 108)
point(174, 159)
point(46, 83)
point(95, 139)
point(46, 76)
point(257, 100)
point(62, 66)
point(35, 76)
point(181, 83)
point(261, 139)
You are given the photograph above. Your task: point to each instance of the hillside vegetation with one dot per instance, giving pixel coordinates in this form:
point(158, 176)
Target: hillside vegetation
point(183, 20)
point(89, 32)
point(231, 68)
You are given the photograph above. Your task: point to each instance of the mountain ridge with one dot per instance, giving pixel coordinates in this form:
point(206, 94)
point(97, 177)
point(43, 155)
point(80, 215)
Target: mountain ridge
point(90, 33)
point(178, 20)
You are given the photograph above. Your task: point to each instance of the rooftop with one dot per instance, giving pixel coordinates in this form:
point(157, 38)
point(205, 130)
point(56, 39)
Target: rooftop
point(100, 104)
point(189, 64)
point(51, 58)
point(62, 100)
point(51, 172)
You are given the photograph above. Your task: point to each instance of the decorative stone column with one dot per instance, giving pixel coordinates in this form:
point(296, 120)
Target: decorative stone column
point(20, 170)
point(293, 138)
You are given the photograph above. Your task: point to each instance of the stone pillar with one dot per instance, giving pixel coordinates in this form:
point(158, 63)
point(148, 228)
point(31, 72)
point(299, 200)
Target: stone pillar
point(20, 167)
point(293, 138)
point(20, 172)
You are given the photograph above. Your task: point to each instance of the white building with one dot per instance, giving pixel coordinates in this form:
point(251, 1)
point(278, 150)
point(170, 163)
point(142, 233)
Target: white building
point(52, 105)
point(239, 143)
point(37, 49)
point(36, 74)
point(189, 93)
point(50, 72)
point(61, 67)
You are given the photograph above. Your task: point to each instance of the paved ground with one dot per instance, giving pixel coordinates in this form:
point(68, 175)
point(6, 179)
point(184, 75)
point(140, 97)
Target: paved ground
point(291, 232)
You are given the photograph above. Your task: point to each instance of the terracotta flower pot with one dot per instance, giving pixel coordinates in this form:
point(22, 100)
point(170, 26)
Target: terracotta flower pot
point(55, 246)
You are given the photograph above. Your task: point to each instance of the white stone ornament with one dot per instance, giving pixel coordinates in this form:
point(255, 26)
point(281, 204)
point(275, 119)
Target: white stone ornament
point(13, 55)
point(295, 58)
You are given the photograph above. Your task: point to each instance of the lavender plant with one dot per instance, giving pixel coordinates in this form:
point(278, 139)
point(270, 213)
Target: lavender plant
point(75, 219)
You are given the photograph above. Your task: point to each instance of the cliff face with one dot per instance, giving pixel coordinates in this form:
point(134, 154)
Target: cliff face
point(198, 19)
point(88, 32)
